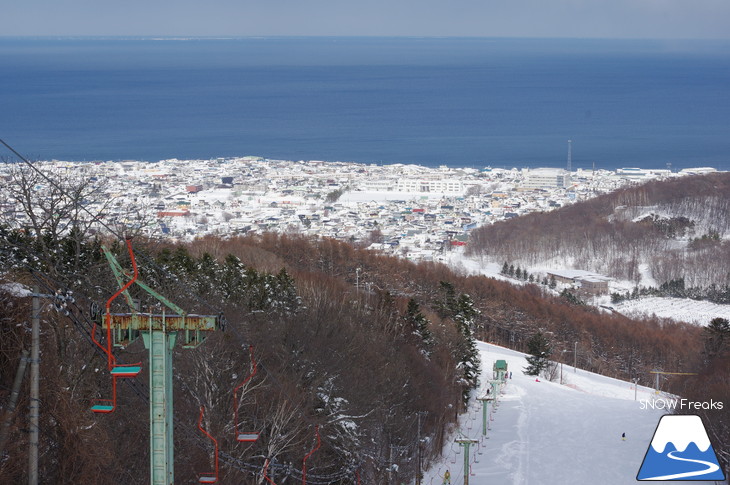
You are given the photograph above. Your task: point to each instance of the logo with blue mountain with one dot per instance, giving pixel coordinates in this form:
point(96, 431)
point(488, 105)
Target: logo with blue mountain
point(680, 450)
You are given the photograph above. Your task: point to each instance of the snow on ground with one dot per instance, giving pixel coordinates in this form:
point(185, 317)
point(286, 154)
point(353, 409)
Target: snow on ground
point(384, 196)
point(550, 434)
point(212, 195)
point(646, 277)
point(683, 309)
point(456, 260)
point(679, 309)
point(15, 289)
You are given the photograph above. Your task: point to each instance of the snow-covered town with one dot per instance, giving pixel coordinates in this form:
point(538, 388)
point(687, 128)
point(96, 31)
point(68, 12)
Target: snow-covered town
point(411, 210)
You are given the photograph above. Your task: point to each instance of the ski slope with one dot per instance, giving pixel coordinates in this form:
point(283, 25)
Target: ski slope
point(544, 433)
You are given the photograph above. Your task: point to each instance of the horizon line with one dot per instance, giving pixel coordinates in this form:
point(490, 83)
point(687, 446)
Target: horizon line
point(178, 37)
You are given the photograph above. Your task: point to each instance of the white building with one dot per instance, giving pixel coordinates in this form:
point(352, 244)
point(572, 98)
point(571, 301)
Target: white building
point(547, 178)
point(378, 185)
point(449, 186)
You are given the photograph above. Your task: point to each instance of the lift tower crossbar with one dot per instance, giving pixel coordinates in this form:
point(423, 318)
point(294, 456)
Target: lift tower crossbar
point(658, 372)
point(466, 443)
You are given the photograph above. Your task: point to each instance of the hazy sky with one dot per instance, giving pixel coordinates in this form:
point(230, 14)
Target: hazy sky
point(489, 18)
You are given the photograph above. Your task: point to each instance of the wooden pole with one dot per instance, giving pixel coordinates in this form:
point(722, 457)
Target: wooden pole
point(34, 421)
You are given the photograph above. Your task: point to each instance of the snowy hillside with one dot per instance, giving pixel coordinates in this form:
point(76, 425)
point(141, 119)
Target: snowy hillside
point(551, 434)
point(680, 309)
point(699, 312)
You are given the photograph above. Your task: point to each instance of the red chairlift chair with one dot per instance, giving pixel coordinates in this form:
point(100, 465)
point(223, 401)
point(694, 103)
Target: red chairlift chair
point(304, 461)
point(244, 436)
point(266, 468)
point(117, 370)
point(213, 476)
point(106, 405)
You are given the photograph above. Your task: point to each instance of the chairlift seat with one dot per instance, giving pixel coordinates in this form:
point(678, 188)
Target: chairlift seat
point(126, 371)
point(208, 479)
point(249, 437)
point(102, 408)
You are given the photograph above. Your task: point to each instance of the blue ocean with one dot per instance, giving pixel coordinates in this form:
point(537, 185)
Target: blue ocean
point(431, 101)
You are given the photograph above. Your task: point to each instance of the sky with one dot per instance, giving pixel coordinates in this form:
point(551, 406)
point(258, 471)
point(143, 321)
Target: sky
point(666, 19)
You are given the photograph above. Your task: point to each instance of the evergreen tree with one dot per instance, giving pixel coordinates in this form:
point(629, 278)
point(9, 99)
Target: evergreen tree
point(284, 296)
point(470, 360)
point(461, 310)
point(717, 338)
point(539, 349)
point(511, 271)
point(446, 305)
point(505, 268)
point(206, 272)
point(571, 298)
point(418, 326)
point(230, 278)
point(552, 283)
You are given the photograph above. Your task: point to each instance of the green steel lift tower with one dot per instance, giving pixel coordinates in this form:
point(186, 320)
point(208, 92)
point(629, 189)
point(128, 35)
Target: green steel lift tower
point(160, 333)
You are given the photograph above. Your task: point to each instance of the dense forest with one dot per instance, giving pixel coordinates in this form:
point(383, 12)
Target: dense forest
point(358, 367)
point(366, 358)
point(679, 228)
point(348, 340)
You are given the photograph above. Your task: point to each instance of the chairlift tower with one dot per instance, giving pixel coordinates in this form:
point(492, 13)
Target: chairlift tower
point(485, 412)
point(160, 333)
point(657, 372)
point(466, 443)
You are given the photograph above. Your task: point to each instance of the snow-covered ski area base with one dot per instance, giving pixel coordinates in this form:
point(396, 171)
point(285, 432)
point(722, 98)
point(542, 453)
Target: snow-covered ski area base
point(681, 309)
point(551, 434)
point(698, 312)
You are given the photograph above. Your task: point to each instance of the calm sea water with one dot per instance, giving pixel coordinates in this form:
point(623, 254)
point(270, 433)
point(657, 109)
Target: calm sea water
point(460, 102)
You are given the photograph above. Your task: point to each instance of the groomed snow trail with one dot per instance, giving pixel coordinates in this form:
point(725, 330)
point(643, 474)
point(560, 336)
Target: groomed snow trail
point(544, 433)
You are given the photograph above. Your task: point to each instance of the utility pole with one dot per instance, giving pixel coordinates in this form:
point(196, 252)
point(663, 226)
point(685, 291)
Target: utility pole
point(390, 467)
point(418, 449)
point(35, 359)
point(33, 417)
point(575, 357)
point(393, 468)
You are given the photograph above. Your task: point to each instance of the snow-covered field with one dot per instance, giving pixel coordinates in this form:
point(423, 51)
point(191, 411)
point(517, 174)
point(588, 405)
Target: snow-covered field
point(683, 309)
point(678, 309)
point(544, 433)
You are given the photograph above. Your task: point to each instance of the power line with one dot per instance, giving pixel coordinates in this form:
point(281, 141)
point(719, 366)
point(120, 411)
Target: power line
point(83, 325)
point(96, 219)
point(60, 189)
point(85, 330)
point(142, 391)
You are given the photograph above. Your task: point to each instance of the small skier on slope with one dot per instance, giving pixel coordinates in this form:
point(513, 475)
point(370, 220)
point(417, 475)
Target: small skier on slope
point(447, 478)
